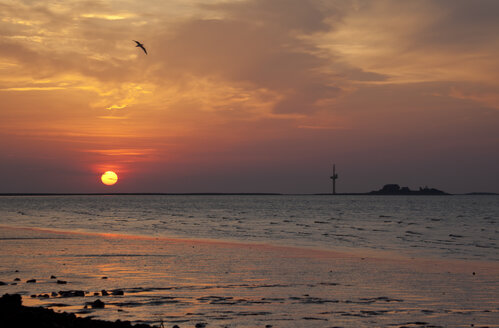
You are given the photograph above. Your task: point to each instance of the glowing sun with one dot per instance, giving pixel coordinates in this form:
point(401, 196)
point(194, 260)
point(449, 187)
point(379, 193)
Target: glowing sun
point(109, 178)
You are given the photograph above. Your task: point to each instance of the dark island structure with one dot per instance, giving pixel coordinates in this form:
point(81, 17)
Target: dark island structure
point(395, 189)
point(389, 189)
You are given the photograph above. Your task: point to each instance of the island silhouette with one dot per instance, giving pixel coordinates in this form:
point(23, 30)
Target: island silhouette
point(395, 189)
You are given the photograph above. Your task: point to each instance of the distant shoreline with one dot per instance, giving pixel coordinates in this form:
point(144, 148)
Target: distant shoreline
point(234, 194)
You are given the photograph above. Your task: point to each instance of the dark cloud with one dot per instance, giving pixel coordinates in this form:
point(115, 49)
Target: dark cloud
point(289, 15)
point(257, 43)
point(465, 23)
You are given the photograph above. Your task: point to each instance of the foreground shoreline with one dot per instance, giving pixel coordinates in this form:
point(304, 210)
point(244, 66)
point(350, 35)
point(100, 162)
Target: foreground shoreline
point(188, 282)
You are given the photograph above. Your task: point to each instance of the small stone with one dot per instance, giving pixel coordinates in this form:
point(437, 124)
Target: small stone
point(31, 281)
point(200, 325)
point(474, 273)
point(2, 283)
point(72, 293)
point(98, 304)
point(17, 279)
point(104, 292)
point(118, 292)
point(176, 326)
point(104, 278)
point(54, 294)
point(53, 277)
point(62, 282)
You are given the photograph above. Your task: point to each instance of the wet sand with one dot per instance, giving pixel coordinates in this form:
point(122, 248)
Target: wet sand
point(187, 282)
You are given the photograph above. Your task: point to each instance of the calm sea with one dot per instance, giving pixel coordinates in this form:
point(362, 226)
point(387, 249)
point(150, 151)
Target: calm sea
point(455, 227)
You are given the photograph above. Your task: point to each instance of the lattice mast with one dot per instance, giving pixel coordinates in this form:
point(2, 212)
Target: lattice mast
point(333, 179)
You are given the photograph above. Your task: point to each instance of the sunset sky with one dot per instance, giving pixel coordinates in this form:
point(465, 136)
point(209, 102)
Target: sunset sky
point(249, 96)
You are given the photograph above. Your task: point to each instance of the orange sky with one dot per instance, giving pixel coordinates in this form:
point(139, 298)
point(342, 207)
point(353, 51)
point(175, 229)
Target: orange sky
point(249, 96)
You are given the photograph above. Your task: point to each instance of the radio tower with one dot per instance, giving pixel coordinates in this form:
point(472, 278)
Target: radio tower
point(333, 178)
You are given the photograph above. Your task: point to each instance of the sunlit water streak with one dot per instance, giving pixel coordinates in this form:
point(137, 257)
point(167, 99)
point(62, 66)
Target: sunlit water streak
point(226, 260)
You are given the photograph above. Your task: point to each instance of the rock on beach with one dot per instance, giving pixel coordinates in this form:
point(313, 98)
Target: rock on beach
point(14, 314)
point(98, 304)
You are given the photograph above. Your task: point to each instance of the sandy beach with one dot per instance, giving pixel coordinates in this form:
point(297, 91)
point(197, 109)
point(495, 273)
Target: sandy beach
point(225, 284)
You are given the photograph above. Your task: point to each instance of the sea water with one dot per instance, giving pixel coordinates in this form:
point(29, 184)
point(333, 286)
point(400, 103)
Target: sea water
point(460, 227)
point(257, 260)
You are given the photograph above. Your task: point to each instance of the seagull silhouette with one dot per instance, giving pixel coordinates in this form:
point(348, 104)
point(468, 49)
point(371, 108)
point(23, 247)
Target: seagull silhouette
point(140, 45)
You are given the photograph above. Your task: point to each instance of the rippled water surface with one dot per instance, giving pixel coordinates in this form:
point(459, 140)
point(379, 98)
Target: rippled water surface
point(463, 227)
point(254, 261)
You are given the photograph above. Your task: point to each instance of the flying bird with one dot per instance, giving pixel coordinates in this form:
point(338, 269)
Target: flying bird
point(140, 45)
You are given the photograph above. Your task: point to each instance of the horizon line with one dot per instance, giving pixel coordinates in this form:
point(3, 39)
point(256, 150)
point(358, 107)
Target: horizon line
point(222, 194)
